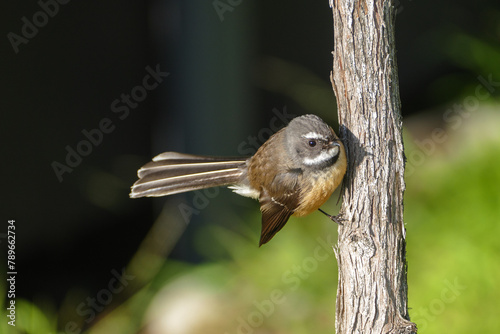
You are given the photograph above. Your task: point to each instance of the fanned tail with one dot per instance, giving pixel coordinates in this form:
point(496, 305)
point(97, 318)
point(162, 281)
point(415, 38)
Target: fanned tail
point(171, 173)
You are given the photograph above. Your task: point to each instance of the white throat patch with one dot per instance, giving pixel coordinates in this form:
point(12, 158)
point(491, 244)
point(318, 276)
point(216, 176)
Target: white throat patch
point(322, 157)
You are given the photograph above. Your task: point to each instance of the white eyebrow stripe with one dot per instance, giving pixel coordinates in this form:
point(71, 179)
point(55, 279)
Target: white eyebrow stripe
point(314, 135)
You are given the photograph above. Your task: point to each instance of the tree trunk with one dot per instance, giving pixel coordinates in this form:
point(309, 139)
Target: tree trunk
point(372, 288)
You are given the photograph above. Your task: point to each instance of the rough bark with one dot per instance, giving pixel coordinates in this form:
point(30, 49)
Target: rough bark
point(372, 288)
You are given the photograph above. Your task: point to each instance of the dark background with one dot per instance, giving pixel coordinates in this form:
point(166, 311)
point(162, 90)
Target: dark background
point(225, 79)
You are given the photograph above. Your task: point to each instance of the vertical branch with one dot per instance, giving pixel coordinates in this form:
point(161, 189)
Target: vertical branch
point(372, 288)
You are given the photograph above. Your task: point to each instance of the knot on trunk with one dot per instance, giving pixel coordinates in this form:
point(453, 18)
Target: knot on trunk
point(360, 242)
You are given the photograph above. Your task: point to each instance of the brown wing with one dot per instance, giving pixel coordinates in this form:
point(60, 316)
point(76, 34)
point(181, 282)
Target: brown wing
point(278, 203)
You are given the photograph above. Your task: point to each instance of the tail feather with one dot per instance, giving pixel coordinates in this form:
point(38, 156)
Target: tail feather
point(171, 173)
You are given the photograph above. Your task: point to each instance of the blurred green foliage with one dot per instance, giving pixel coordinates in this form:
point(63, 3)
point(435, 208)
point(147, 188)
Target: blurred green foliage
point(452, 212)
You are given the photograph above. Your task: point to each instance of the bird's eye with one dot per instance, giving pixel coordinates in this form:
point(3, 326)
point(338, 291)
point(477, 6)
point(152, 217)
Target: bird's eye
point(312, 143)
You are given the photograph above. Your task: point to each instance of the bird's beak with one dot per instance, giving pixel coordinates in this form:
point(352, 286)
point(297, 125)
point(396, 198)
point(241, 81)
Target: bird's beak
point(333, 144)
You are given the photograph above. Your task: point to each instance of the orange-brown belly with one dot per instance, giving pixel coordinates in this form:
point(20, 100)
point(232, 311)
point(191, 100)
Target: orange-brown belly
point(320, 191)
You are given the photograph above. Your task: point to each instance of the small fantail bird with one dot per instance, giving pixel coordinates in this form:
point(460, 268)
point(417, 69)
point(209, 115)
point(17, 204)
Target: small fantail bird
point(292, 174)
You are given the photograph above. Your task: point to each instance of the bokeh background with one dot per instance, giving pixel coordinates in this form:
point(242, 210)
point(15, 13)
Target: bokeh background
point(91, 260)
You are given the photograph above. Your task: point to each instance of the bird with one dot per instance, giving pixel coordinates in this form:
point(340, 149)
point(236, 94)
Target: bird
point(292, 174)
